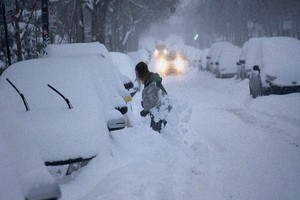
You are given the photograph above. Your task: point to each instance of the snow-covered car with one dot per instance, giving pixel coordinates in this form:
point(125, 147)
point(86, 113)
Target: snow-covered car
point(213, 55)
point(249, 56)
point(23, 173)
point(277, 68)
point(69, 108)
point(140, 55)
point(203, 59)
point(110, 72)
point(226, 62)
point(127, 69)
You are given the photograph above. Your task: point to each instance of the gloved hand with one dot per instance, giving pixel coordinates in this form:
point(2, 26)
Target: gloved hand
point(144, 113)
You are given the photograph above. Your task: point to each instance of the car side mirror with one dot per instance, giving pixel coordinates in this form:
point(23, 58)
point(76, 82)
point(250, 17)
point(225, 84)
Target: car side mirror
point(116, 124)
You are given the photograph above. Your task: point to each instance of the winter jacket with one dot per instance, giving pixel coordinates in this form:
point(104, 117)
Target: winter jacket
point(155, 77)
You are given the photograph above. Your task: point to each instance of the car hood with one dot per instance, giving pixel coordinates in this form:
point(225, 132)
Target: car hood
point(281, 60)
point(60, 133)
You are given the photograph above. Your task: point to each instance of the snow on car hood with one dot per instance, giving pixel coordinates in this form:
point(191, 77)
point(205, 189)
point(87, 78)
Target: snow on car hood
point(281, 59)
point(60, 133)
point(228, 58)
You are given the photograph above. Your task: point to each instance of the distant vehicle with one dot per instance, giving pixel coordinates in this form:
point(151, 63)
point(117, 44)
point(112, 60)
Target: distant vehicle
point(23, 173)
point(213, 55)
point(169, 61)
point(249, 57)
point(276, 69)
point(159, 51)
point(203, 59)
point(69, 108)
point(226, 62)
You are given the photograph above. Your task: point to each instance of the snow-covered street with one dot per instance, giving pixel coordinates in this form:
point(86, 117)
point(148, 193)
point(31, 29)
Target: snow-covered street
point(219, 143)
point(252, 144)
point(150, 100)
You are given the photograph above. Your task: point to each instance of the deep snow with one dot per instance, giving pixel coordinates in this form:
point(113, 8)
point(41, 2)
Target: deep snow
point(219, 143)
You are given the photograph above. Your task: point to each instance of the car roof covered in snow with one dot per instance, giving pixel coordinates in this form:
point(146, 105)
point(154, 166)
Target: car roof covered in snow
point(76, 49)
point(124, 63)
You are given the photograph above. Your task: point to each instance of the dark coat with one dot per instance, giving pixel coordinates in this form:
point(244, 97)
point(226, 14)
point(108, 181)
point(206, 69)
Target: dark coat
point(155, 77)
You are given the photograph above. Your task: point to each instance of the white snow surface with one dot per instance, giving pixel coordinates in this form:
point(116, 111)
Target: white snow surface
point(281, 59)
point(219, 144)
point(228, 58)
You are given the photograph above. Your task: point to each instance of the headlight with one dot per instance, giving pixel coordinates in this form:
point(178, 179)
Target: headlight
point(76, 166)
point(179, 63)
point(59, 169)
point(161, 65)
point(165, 51)
point(156, 52)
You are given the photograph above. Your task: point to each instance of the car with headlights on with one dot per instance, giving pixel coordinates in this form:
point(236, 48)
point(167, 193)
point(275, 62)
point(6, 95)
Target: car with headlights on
point(276, 67)
point(65, 106)
point(160, 51)
point(174, 62)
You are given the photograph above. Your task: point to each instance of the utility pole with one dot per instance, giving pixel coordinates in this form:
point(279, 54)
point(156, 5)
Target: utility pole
point(45, 22)
point(6, 34)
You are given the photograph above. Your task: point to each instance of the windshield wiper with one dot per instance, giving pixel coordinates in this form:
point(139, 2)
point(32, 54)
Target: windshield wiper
point(60, 94)
point(22, 96)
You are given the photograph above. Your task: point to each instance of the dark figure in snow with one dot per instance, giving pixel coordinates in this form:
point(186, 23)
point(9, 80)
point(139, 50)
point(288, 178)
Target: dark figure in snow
point(155, 98)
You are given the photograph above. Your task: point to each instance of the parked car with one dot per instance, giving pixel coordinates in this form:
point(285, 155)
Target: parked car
point(95, 49)
point(127, 70)
point(66, 108)
point(277, 70)
point(23, 173)
point(226, 61)
point(213, 55)
point(249, 57)
point(203, 59)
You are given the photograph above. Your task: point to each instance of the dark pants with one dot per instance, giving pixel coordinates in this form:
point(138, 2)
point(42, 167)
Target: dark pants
point(157, 126)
